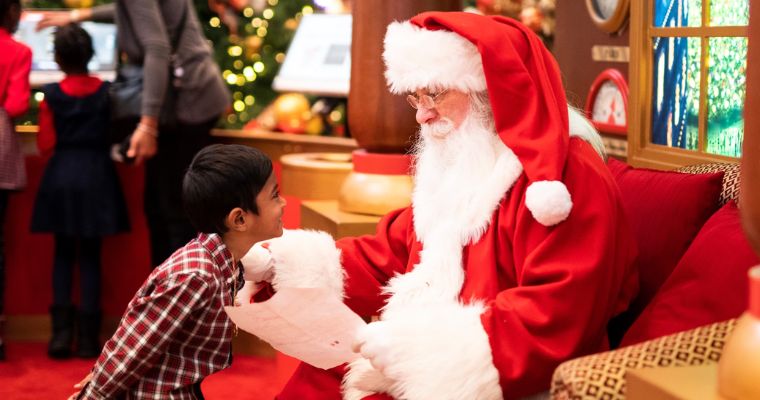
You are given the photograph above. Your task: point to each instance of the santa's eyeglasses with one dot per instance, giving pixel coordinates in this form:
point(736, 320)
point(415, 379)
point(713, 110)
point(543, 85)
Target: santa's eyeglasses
point(428, 101)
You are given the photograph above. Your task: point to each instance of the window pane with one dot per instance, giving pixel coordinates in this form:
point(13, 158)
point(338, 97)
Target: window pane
point(726, 87)
point(729, 12)
point(672, 13)
point(675, 92)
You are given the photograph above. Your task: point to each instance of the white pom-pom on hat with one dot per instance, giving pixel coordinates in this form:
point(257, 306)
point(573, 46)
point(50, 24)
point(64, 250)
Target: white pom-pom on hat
point(548, 201)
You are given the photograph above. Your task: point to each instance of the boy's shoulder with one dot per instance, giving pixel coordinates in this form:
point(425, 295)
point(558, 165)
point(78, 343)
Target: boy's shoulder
point(201, 256)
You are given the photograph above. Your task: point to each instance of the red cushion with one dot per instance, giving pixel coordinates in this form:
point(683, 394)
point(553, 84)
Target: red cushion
point(666, 210)
point(708, 285)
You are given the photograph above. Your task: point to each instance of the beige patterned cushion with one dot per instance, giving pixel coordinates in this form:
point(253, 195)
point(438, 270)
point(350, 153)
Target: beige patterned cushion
point(730, 178)
point(601, 376)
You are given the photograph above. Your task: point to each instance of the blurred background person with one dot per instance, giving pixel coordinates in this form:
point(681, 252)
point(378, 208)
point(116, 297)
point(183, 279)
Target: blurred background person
point(166, 40)
point(80, 198)
point(15, 64)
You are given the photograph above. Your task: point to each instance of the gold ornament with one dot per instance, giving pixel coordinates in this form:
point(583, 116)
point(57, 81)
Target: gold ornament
point(289, 112)
point(315, 126)
point(78, 3)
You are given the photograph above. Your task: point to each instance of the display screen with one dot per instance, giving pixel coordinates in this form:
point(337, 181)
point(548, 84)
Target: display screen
point(41, 43)
point(318, 60)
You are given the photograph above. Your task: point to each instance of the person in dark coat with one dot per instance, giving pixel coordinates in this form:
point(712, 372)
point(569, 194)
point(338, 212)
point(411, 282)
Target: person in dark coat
point(80, 198)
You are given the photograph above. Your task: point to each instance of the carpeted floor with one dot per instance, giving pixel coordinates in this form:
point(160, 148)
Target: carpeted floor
point(28, 374)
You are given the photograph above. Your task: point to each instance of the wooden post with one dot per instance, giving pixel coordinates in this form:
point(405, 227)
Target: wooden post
point(379, 121)
point(750, 175)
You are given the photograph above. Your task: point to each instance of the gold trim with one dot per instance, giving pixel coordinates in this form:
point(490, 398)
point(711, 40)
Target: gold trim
point(704, 31)
point(615, 22)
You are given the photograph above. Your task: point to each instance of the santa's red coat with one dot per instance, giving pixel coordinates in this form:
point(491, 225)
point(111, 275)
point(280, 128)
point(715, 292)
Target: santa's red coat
point(548, 291)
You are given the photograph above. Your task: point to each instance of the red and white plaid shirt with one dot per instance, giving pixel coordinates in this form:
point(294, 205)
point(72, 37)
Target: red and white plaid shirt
point(175, 331)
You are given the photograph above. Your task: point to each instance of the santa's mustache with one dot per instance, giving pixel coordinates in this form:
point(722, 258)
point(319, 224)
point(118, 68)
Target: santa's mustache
point(438, 129)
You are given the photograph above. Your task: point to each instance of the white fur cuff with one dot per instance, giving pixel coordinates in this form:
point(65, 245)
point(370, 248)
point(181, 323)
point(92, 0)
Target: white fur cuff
point(440, 351)
point(307, 259)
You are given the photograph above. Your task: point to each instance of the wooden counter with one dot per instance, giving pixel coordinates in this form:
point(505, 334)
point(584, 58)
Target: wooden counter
point(274, 144)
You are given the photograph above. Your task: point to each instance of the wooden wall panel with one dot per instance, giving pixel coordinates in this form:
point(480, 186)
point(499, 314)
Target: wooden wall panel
point(575, 35)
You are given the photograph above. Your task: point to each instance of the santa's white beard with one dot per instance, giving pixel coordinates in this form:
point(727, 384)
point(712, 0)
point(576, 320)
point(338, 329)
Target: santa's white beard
point(451, 168)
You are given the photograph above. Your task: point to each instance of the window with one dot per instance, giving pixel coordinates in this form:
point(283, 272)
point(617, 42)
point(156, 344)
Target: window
point(688, 70)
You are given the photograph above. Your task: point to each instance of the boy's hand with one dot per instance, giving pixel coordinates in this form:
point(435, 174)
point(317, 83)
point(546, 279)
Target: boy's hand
point(79, 386)
point(258, 264)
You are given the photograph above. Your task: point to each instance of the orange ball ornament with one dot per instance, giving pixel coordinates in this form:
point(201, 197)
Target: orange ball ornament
point(291, 111)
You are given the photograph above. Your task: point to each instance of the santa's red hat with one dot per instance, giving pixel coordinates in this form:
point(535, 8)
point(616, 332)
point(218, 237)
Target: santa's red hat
point(474, 53)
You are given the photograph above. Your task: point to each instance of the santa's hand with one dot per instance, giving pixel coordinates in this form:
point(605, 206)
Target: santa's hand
point(245, 294)
point(258, 264)
point(375, 343)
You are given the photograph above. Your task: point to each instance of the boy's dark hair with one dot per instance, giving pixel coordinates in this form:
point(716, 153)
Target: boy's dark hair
point(220, 178)
point(73, 48)
point(5, 8)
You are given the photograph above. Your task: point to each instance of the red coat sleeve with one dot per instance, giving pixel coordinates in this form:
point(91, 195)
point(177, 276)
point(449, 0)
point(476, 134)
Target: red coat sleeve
point(46, 133)
point(571, 279)
point(369, 261)
point(17, 100)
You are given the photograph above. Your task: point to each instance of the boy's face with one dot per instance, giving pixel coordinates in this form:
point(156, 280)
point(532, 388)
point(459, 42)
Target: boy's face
point(268, 223)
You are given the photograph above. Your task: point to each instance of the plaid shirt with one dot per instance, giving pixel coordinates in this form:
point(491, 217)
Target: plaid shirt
point(175, 331)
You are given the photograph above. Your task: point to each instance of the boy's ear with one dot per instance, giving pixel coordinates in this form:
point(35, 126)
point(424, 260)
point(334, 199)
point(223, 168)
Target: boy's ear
point(236, 220)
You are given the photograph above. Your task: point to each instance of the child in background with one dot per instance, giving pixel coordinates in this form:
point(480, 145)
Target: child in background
point(15, 64)
point(175, 331)
point(80, 198)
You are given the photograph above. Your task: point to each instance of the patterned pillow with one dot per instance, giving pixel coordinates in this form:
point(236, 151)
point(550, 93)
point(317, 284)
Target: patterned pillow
point(730, 178)
point(602, 375)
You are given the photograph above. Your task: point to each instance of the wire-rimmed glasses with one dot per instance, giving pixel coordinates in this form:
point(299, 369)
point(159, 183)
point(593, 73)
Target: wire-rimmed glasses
point(425, 101)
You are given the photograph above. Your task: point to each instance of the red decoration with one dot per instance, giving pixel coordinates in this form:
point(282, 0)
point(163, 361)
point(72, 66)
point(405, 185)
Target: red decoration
point(609, 125)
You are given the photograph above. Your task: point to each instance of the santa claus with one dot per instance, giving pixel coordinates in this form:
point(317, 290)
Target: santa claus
point(514, 253)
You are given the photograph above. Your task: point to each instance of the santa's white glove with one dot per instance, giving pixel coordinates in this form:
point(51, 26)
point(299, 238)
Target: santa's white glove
point(258, 264)
point(361, 380)
point(375, 343)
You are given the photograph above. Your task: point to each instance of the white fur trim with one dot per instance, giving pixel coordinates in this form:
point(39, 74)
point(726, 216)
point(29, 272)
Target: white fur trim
point(581, 127)
point(548, 201)
point(361, 380)
point(304, 258)
point(438, 352)
point(467, 215)
point(418, 58)
point(257, 264)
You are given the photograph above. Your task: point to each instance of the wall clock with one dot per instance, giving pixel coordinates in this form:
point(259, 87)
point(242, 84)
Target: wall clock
point(607, 103)
point(608, 15)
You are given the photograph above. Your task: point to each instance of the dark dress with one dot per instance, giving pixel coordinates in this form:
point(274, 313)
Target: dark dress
point(80, 194)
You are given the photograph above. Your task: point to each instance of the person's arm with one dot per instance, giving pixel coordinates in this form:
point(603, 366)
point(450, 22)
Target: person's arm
point(146, 330)
point(152, 35)
point(354, 268)
point(102, 13)
point(17, 100)
point(46, 133)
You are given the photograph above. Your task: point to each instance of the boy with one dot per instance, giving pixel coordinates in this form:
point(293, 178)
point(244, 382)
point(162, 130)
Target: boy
point(175, 331)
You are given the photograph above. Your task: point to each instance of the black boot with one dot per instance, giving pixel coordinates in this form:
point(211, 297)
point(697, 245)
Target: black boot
point(63, 331)
point(88, 345)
